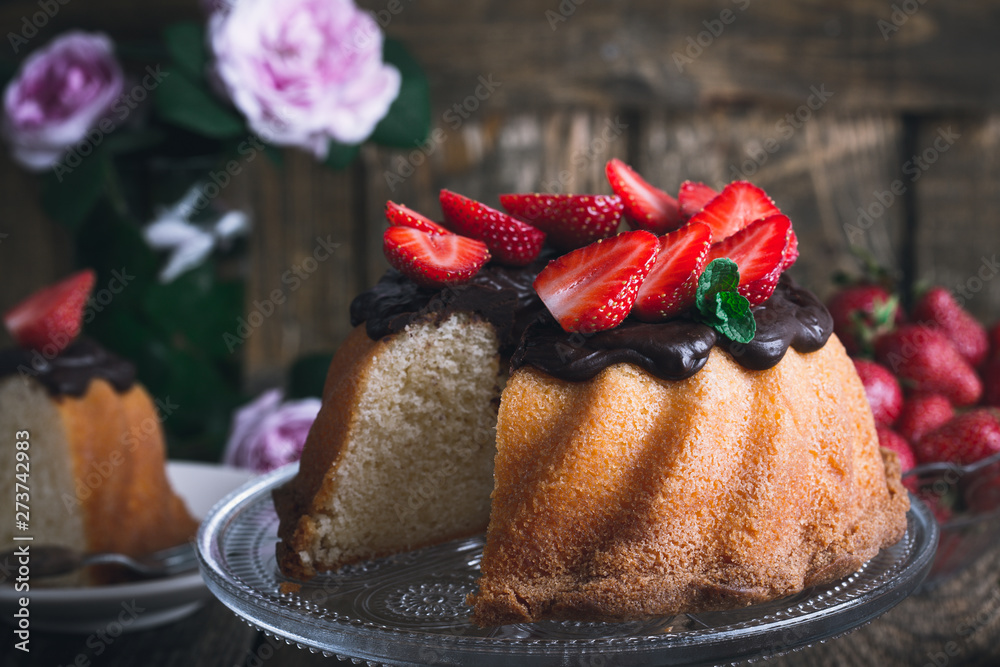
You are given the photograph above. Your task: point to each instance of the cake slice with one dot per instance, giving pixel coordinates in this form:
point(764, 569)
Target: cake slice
point(401, 454)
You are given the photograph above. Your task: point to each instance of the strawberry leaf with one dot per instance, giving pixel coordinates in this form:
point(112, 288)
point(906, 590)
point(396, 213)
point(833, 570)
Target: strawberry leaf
point(720, 306)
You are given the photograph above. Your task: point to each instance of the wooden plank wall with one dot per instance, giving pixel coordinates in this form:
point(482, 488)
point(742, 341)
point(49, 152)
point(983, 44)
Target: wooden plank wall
point(825, 104)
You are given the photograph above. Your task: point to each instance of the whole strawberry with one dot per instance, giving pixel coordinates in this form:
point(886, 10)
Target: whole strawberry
point(884, 393)
point(893, 441)
point(938, 307)
point(967, 438)
point(922, 413)
point(861, 314)
point(994, 336)
point(925, 360)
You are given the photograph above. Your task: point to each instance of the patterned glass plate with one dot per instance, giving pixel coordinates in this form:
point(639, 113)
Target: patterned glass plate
point(410, 608)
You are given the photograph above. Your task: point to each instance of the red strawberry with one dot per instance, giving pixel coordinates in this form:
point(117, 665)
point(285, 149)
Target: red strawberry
point(861, 314)
point(922, 413)
point(593, 288)
point(938, 307)
point(693, 196)
point(670, 287)
point(990, 374)
point(884, 394)
point(967, 438)
point(895, 442)
point(433, 260)
point(570, 221)
point(509, 240)
point(759, 251)
point(739, 204)
point(791, 251)
point(397, 214)
point(51, 318)
point(646, 207)
point(925, 360)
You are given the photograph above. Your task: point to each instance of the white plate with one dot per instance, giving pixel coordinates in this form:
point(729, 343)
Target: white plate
point(140, 605)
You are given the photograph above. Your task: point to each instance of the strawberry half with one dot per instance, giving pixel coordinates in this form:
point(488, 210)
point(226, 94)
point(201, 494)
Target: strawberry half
point(646, 207)
point(593, 288)
point(509, 240)
point(397, 214)
point(433, 260)
point(759, 251)
point(693, 196)
point(670, 287)
point(51, 318)
point(739, 204)
point(570, 221)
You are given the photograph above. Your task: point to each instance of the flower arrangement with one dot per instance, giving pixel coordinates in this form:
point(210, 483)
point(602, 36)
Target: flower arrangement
point(135, 143)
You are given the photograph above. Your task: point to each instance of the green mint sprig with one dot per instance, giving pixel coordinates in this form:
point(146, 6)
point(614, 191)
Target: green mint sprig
point(720, 306)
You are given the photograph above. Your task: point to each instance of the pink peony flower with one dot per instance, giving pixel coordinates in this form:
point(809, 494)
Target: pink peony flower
point(303, 72)
point(268, 433)
point(60, 93)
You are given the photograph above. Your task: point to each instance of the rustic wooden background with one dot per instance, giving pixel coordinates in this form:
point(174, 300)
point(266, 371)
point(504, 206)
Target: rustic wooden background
point(576, 82)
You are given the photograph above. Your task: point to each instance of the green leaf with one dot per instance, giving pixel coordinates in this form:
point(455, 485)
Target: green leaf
point(720, 306)
point(186, 43)
point(187, 104)
point(341, 155)
point(408, 121)
point(72, 189)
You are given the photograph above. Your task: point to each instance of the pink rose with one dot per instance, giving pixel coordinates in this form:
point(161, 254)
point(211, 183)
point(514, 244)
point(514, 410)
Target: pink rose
point(268, 433)
point(60, 93)
point(304, 72)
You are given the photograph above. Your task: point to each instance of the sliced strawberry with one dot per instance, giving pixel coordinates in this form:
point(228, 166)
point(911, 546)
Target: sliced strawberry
point(397, 214)
point(791, 251)
point(759, 251)
point(593, 288)
point(570, 221)
point(510, 241)
point(670, 287)
point(739, 204)
point(433, 260)
point(51, 318)
point(693, 196)
point(646, 207)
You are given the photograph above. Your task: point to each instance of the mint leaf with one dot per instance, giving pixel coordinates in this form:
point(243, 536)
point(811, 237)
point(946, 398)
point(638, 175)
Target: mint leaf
point(720, 306)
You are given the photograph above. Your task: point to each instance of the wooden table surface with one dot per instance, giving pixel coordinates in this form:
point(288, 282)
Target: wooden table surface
point(955, 622)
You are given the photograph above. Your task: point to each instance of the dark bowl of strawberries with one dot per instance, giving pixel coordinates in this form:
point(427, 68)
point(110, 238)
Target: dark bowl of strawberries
point(932, 377)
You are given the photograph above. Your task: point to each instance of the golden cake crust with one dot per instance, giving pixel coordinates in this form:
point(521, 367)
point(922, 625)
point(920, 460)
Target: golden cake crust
point(629, 496)
point(132, 508)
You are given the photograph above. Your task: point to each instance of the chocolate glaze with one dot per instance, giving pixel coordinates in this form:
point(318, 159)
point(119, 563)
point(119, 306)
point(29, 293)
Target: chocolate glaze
point(71, 371)
point(673, 350)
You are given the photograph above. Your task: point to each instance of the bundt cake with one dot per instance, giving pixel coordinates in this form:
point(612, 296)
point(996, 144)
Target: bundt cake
point(93, 466)
point(715, 452)
point(640, 488)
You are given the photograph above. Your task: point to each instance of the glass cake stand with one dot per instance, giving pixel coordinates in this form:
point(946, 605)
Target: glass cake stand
point(410, 609)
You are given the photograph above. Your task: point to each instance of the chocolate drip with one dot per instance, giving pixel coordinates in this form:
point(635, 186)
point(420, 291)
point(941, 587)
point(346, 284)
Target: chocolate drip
point(71, 371)
point(673, 350)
